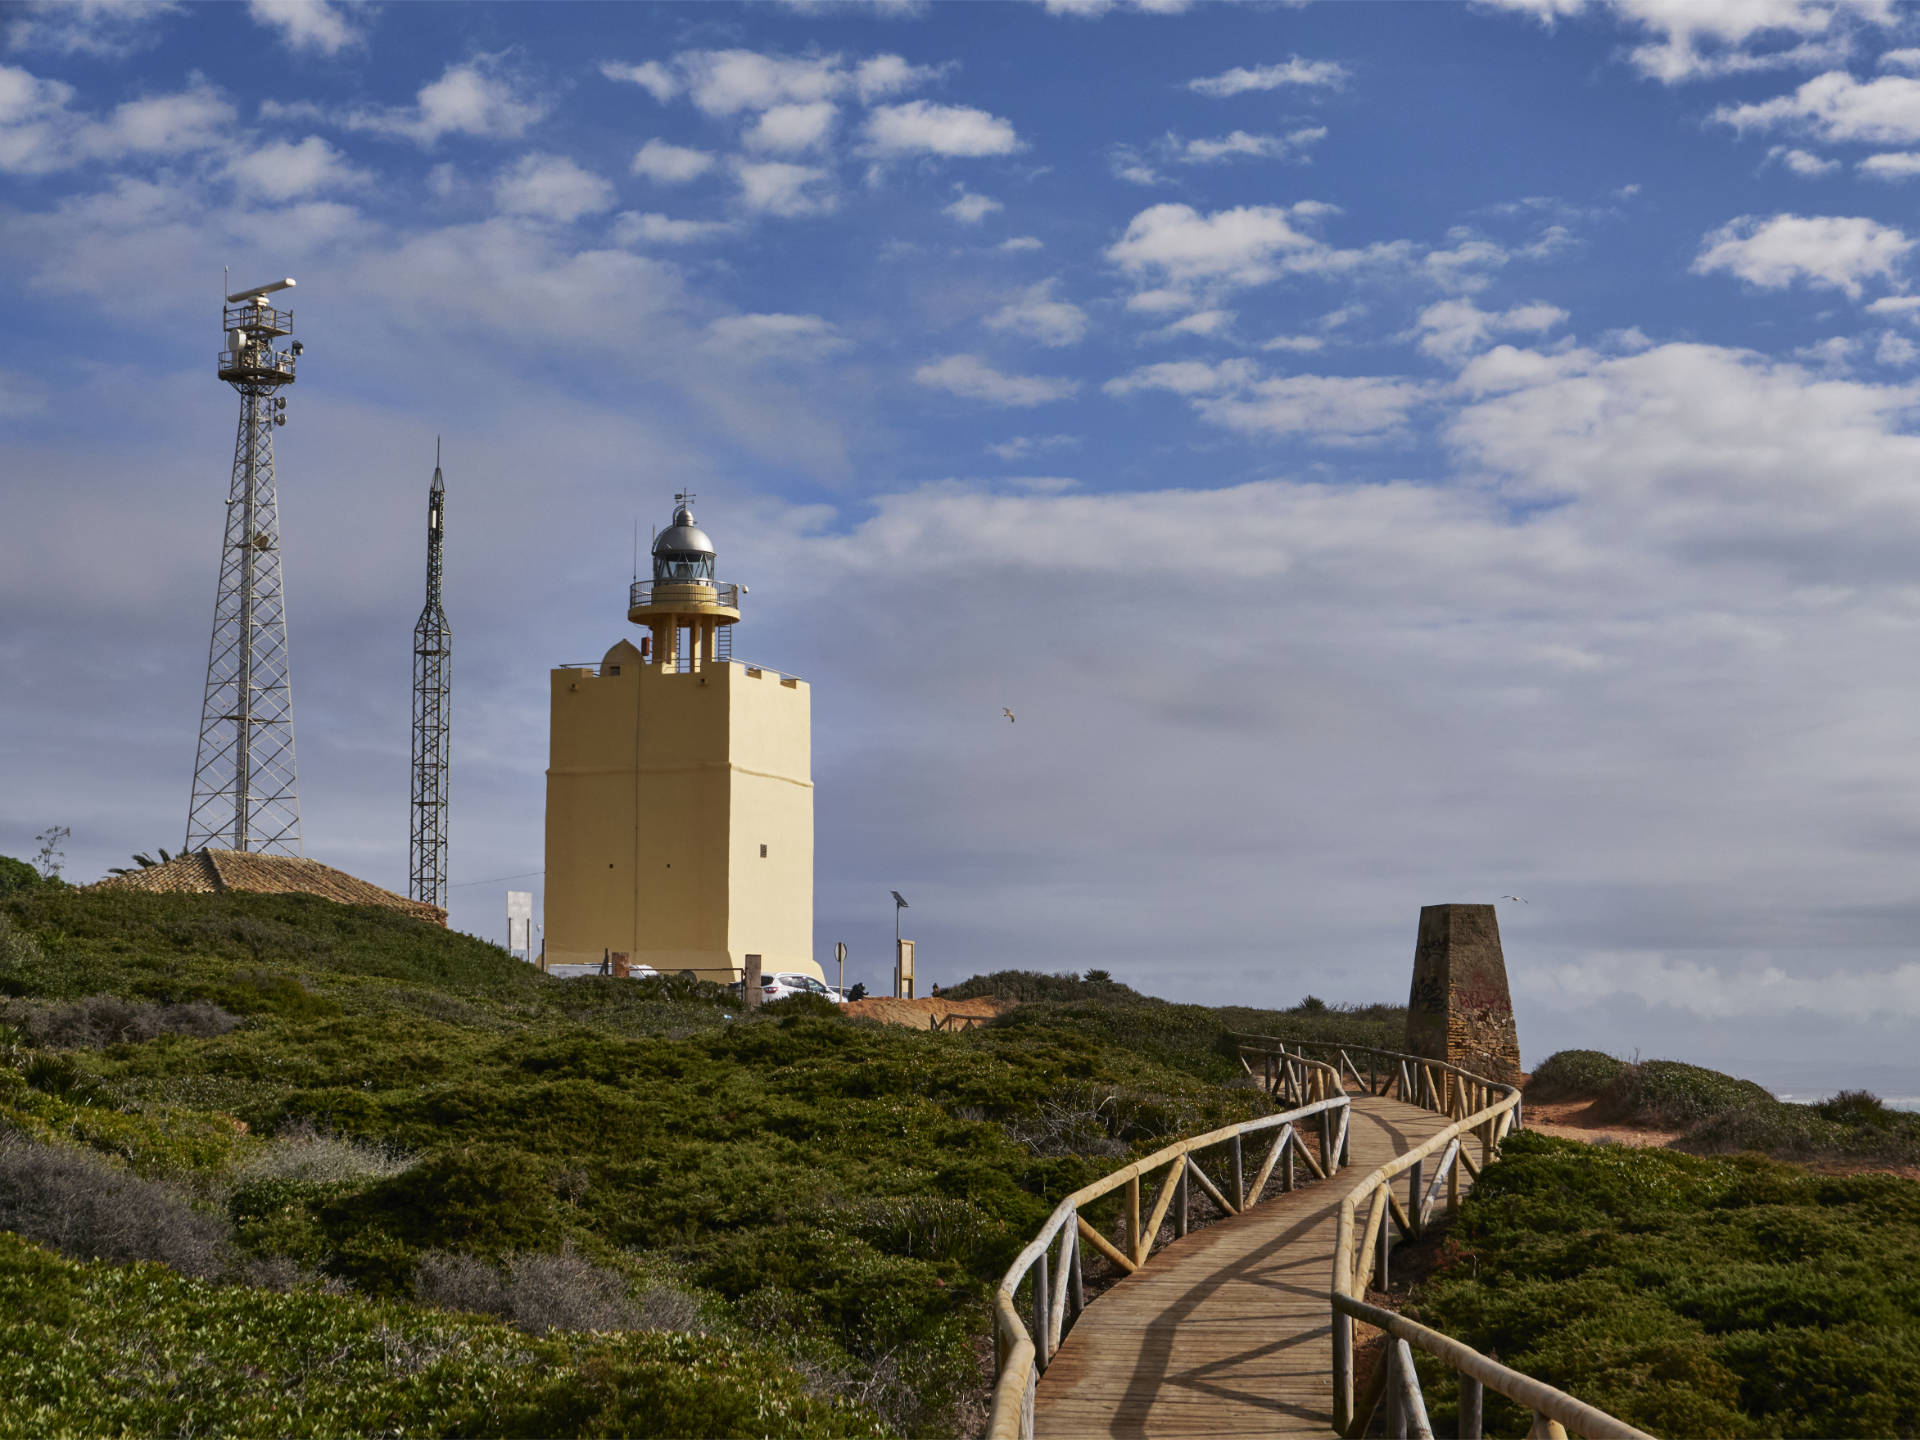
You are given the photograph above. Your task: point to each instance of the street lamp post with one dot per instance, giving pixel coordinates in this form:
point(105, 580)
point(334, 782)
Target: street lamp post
point(899, 904)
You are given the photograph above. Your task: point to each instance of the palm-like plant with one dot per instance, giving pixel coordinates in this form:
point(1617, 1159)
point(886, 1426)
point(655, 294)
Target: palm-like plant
point(144, 862)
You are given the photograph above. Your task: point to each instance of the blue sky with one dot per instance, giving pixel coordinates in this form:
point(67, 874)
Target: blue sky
point(1384, 454)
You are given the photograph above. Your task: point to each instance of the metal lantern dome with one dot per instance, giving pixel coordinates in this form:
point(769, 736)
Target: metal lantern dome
point(682, 552)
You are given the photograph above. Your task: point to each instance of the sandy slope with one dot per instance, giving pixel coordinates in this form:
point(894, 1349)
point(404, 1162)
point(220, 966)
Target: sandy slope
point(919, 1013)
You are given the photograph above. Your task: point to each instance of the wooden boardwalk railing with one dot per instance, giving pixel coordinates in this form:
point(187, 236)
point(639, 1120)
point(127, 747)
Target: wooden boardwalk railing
point(1483, 1111)
point(1053, 1258)
point(1478, 1114)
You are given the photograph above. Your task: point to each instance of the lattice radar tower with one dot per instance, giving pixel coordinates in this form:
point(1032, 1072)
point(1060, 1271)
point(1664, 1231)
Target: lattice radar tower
point(432, 718)
point(245, 787)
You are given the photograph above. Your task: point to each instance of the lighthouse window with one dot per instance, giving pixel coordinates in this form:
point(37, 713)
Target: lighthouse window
point(763, 852)
point(683, 567)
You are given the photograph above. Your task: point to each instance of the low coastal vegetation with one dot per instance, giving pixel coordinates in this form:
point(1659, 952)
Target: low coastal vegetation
point(1719, 1292)
point(1686, 1294)
point(1717, 1114)
point(352, 1172)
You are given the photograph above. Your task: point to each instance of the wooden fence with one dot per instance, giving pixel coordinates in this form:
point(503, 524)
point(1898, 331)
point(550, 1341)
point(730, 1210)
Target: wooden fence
point(1484, 1113)
point(1053, 1258)
point(956, 1021)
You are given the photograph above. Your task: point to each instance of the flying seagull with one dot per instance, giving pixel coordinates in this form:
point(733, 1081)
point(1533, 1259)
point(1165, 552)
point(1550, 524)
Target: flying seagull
point(1521, 898)
point(1008, 713)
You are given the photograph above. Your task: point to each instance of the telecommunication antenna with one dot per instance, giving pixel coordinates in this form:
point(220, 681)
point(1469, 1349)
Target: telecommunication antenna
point(432, 717)
point(245, 789)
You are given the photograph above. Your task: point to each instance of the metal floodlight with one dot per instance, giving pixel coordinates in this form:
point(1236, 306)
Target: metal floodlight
point(299, 348)
point(260, 290)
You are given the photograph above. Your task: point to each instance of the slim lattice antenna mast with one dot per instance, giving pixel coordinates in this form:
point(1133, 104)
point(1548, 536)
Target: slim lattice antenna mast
point(245, 790)
point(432, 716)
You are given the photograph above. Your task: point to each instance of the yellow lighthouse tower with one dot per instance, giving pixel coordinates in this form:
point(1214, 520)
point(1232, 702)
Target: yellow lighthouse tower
point(679, 788)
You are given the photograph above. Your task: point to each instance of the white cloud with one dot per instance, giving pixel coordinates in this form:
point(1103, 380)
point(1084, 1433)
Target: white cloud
point(971, 378)
point(306, 24)
point(726, 82)
point(647, 228)
point(1453, 329)
point(788, 128)
point(282, 171)
point(1185, 377)
point(650, 75)
point(734, 82)
point(36, 129)
point(1037, 315)
point(1700, 39)
point(791, 338)
point(1023, 242)
point(193, 119)
point(1891, 165)
point(1906, 306)
point(1094, 9)
point(41, 133)
point(551, 187)
point(1160, 302)
point(1899, 60)
point(1333, 409)
point(1129, 164)
point(1895, 350)
point(1463, 266)
point(1803, 162)
point(1248, 245)
point(1317, 74)
point(884, 75)
point(670, 164)
point(475, 98)
point(1241, 145)
point(106, 29)
point(1545, 11)
point(971, 209)
point(1204, 323)
point(1299, 344)
point(922, 127)
point(1021, 446)
point(1836, 107)
point(774, 187)
point(1836, 251)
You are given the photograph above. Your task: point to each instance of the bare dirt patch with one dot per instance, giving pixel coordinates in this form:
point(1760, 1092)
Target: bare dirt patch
point(1580, 1120)
point(920, 1014)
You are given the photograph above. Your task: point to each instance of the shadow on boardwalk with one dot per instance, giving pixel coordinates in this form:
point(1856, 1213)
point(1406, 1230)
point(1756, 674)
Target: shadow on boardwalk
point(1228, 1331)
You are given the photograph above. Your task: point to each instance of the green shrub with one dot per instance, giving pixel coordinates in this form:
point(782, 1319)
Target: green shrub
point(1575, 1075)
point(104, 1349)
point(1667, 1092)
point(17, 875)
point(1687, 1295)
point(1025, 985)
point(401, 1098)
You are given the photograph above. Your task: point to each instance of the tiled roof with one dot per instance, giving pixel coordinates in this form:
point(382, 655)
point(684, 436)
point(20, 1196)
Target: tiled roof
point(207, 872)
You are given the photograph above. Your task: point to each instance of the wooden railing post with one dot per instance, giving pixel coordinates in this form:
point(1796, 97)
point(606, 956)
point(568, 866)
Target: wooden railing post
point(1239, 1177)
point(1042, 1295)
point(1471, 1400)
point(1381, 1279)
point(1414, 1197)
point(1180, 1201)
point(1342, 1324)
point(1133, 1218)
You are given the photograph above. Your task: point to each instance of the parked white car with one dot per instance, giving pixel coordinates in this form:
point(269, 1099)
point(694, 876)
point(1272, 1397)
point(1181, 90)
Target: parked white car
point(780, 984)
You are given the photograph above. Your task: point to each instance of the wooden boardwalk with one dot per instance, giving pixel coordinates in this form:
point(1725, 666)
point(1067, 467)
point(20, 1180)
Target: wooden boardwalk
point(1227, 1331)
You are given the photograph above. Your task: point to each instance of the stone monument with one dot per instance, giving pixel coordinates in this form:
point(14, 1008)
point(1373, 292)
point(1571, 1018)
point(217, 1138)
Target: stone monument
point(1459, 1010)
